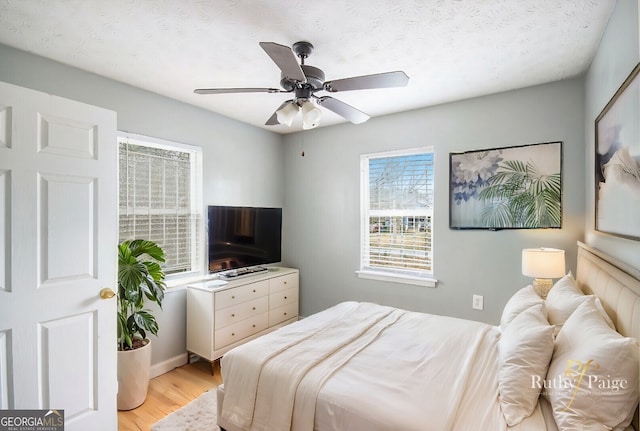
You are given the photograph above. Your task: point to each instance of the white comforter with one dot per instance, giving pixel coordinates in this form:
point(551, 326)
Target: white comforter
point(361, 366)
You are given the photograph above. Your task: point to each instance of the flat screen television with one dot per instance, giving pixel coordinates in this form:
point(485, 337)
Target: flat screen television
point(243, 237)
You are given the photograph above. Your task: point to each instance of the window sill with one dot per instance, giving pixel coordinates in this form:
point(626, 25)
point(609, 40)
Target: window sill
point(183, 279)
point(397, 278)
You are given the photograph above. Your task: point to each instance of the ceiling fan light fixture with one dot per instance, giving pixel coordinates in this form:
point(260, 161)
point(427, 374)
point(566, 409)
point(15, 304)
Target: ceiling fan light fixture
point(287, 113)
point(304, 81)
point(311, 115)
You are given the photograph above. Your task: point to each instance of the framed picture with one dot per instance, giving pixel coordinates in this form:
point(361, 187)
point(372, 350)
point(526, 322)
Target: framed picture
point(617, 161)
point(516, 187)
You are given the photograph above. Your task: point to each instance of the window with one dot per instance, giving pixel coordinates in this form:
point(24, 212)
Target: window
point(397, 216)
point(160, 198)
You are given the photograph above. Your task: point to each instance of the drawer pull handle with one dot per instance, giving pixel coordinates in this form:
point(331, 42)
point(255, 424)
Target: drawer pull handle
point(233, 297)
point(254, 291)
point(285, 313)
point(254, 308)
point(285, 297)
point(285, 282)
point(233, 315)
point(254, 326)
point(233, 334)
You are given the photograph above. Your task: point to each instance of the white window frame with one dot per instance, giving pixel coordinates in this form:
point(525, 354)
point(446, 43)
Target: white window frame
point(420, 278)
point(198, 247)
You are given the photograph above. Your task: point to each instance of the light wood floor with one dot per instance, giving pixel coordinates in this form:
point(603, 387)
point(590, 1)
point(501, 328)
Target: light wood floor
point(169, 392)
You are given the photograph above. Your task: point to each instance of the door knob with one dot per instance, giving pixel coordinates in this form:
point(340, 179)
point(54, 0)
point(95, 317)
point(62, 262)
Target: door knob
point(107, 293)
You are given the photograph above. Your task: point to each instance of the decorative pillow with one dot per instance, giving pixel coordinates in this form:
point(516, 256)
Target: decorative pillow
point(592, 381)
point(524, 352)
point(564, 298)
point(521, 300)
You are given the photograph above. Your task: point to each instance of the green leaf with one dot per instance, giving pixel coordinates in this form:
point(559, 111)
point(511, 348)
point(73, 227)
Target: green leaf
point(144, 319)
point(139, 247)
point(519, 196)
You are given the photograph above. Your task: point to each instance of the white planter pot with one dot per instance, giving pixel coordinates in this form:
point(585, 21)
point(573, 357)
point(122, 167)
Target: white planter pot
point(133, 376)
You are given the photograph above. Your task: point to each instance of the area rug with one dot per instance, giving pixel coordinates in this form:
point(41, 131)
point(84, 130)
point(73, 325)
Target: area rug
point(198, 415)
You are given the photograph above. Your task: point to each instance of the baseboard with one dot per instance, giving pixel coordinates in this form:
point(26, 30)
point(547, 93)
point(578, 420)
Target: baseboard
point(168, 365)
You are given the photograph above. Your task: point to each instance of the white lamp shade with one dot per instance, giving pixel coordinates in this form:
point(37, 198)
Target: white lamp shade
point(543, 262)
point(287, 113)
point(310, 115)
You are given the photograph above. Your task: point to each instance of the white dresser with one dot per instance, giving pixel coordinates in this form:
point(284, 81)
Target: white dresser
point(220, 317)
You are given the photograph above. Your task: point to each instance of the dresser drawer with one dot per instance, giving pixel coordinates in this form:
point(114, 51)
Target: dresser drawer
point(283, 297)
point(236, 313)
point(284, 282)
point(229, 297)
point(280, 314)
point(236, 332)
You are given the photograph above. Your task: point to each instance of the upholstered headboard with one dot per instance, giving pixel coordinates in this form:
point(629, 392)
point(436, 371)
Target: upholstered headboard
point(618, 287)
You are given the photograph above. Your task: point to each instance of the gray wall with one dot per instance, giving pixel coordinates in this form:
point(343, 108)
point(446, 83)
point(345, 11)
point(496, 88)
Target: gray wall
point(322, 200)
point(617, 56)
point(243, 165)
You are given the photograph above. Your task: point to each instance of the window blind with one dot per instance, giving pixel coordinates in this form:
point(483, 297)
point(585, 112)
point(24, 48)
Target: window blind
point(158, 203)
point(398, 212)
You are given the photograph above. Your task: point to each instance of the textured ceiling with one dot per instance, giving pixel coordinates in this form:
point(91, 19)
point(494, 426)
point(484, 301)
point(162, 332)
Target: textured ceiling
point(451, 49)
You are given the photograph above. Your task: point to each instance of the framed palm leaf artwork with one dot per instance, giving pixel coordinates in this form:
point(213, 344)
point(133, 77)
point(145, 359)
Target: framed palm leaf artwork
point(517, 187)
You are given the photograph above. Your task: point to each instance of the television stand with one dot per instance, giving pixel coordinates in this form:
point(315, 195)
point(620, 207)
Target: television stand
point(223, 316)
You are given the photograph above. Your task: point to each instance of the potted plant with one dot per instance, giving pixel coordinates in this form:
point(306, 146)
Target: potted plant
point(140, 277)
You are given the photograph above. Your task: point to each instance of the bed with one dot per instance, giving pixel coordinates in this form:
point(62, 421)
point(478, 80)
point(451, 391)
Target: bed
point(362, 366)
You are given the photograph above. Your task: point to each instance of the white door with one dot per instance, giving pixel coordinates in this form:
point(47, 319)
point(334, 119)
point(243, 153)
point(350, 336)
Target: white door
point(58, 236)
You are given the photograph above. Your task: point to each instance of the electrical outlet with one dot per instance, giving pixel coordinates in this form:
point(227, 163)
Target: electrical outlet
point(478, 302)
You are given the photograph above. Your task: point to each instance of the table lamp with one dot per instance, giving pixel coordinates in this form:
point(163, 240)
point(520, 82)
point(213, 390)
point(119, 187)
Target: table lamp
point(543, 264)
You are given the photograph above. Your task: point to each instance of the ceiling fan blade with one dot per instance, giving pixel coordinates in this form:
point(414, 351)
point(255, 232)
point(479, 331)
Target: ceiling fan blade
point(365, 82)
point(347, 111)
point(237, 90)
point(285, 59)
point(273, 120)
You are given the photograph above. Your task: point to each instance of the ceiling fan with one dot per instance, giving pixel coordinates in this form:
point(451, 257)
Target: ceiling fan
point(304, 81)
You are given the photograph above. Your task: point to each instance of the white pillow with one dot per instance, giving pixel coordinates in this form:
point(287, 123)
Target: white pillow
point(592, 381)
point(521, 300)
point(563, 299)
point(524, 352)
